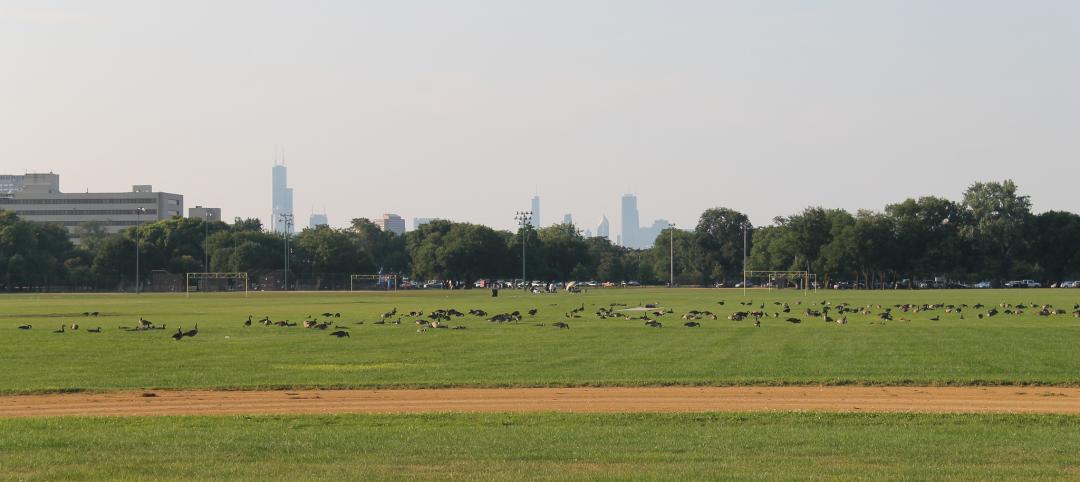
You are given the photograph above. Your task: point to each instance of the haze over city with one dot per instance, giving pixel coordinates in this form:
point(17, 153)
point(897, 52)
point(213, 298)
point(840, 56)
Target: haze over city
point(465, 110)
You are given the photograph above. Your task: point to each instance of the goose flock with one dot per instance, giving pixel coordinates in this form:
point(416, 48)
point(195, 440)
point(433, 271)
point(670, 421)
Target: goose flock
point(651, 314)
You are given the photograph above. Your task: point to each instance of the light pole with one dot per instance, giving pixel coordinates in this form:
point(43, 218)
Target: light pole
point(206, 240)
point(523, 218)
point(138, 220)
point(287, 220)
point(744, 258)
point(671, 247)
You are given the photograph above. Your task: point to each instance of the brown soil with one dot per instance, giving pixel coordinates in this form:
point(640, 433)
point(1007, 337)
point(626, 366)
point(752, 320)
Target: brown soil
point(647, 399)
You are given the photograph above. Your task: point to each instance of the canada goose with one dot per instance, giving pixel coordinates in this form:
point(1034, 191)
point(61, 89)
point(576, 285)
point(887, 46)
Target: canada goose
point(561, 325)
point(692, 324)
point(193, 331)
point(248, 322)
point(94, 330)
point(25, 327)
point(341, 334)
point(74, 326)
point(178, 335)
point(61, 330)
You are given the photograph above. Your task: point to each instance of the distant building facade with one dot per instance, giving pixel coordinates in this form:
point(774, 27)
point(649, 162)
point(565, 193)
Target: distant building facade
point(417, 222)
point(567, 219)
point(282, 200)
point(37, 197)
point(648, 235)
point(316, 220)
point(208, 214)
point(392, 223)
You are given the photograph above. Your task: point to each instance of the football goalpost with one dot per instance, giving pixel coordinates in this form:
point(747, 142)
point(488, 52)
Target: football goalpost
point(373, 282)
point(801, 280)
point(208, 282)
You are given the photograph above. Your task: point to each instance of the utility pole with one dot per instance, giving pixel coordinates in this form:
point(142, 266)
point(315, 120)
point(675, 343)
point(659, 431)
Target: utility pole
point(523, 218)
point(138, 220)
point(287, 220)
point(671, 262)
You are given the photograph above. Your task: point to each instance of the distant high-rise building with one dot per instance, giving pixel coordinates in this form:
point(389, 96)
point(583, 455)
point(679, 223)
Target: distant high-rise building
point(536, 211)
point(417, 222)
point(588, 233)
point(630, 222)
point(316, 220)
point(604, 229)
point(392, 223)
point(649, 234)
point(567, 219)
point(208, 214)
point(282, 201)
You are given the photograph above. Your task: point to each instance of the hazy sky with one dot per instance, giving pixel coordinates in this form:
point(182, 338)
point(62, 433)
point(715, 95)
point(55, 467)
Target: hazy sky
point(462, 109)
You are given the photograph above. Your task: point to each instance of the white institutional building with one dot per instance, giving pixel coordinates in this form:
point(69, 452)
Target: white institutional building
point(37, 197)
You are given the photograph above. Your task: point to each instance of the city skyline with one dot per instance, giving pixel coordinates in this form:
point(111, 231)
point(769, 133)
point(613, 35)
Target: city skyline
point(837, 105)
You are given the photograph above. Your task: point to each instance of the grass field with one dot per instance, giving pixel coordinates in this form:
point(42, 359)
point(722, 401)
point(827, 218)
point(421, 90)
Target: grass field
point(777, 446)
point(1006, 349)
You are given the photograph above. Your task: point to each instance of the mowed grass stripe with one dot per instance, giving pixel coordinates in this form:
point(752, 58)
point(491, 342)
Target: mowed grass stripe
point(1006, 349)
point(777, 446)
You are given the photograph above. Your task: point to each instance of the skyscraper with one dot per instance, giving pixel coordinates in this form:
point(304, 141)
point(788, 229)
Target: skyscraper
point(567, 219)
point(649, 234)
point(317, 220)
point(604, 229)
point(282, 201)
point(536, 211)
point(630, 223)
point(392, 223)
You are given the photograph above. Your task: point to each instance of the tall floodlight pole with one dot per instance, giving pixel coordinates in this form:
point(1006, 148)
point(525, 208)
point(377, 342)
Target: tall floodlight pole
point(671, 262)
point(206, 240)
point(523, 218)
point(138, 220)
point(287, 220)
point(744, 258)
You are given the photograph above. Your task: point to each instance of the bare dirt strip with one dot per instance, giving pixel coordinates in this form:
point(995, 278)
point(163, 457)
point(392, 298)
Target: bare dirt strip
point(1065, 400)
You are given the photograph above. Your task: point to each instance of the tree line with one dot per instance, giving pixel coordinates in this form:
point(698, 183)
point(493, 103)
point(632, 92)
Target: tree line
point(991, 234)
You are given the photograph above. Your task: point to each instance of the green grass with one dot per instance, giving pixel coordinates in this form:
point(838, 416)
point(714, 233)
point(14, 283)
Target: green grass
point(1007, 349)
point(776, 446)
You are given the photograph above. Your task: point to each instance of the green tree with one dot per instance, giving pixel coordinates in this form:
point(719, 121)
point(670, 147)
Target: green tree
point(1057, 245)
point(719, 234)
point(999, 227)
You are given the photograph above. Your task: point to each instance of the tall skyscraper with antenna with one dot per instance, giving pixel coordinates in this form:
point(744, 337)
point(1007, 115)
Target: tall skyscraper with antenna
point(535, 211)
point(282, 200)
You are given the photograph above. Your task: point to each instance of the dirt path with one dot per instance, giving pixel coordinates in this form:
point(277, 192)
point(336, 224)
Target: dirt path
point(660, 399)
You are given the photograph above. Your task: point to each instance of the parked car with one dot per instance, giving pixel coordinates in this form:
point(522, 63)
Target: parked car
point(982, 285)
